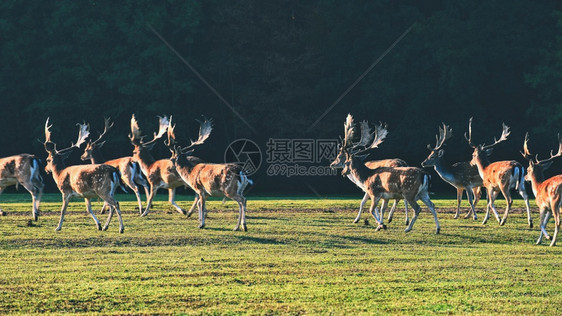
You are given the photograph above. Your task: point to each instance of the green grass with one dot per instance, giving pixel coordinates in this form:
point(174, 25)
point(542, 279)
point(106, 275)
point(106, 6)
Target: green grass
point(300, 256)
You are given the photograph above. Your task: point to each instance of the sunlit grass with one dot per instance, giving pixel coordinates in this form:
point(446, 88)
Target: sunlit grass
point(300, 255)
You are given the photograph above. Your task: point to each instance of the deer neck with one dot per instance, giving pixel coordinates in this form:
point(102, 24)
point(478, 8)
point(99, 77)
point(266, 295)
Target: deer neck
point(145, 159)
point(537, 178)
point(443, 168)
point(96, 157)
point(359, 172)
point(482, 164)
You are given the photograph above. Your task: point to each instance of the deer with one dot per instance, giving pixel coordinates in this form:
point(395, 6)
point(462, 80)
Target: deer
point(86, 181)
point(408, 183)
point(24, 170)
point(226, 180)
point(547, 192)
point(461, 175)
point(499, 176)
point(373, 164)
point(161, 174)
point(131, 174)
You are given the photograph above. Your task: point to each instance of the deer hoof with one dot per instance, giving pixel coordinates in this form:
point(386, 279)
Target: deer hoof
point(538, 242)
point(438, 230)
point(245, 228)
point(456, 216)
point(384, 226)
point(201, 226)
point(407, 222)
point(390, 220)
point(530, 224)
point(2, 213)
point(407, 230)
point(547, 237)
point(99, 226)
point(552, 244)
point(121, 230)
point(502, 222)
point(189, 214)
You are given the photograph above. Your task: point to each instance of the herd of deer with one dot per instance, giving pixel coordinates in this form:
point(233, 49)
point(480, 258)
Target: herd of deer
point(100, 179)
point(380, 180)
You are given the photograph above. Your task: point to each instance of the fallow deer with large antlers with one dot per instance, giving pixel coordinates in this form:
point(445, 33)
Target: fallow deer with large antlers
point(373, 164)
point(23, 170)
point(86, 181)
point(210, 179)
point(499, 176)
point(461, 175)
point(408, 183)
point(130, 171)
point(547, 192)
point(161, 174)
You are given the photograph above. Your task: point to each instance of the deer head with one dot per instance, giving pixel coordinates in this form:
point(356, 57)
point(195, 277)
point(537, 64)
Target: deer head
point(482, 151)
point(536, 166)
point(92, 145)
point(205, 128)
point(445, 133)
point(56, 156)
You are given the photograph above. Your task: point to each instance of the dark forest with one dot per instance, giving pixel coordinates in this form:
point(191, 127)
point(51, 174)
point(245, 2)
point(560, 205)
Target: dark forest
point(268, 70)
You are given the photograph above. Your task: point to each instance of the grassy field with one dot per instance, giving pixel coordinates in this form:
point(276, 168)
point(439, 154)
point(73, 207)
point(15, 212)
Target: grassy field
point(300, 256)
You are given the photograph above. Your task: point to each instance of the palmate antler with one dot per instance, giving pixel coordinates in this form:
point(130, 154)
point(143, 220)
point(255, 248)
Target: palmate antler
point(107, 125)
point(83, 133)
point(205, 128)
point(445, 133)
point(135, 135)
point(369, 139)
point(527, 154)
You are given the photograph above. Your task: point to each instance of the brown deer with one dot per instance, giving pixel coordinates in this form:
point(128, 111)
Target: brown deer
point(23, 170)
point(499, 176)
point(161, 174)
point(409, 183)
point(130, 171)
point(547, 192)
point(86, 181)
point(373, 164)
point(210, 179)
point(461, 175)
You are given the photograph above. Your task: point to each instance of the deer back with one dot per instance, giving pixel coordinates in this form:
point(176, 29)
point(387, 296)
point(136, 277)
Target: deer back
point(17, 168)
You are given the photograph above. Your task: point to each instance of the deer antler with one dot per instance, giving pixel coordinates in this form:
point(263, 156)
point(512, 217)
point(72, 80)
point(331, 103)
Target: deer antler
point(205, 129)
point(445, 133)
point(135, 135)
point(469, 138)
point(558, 154)
point(380, 134)
point(348, 131)
point(162, 127)
point(503, 137)
point(171, 136)
point(366, 135)
point(107, 125)
point(47, 131)
point(83, 133)
point(526, 153)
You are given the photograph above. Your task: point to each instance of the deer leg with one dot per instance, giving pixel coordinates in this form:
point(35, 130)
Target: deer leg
point(509, 201)
point(406, 211)
point(244, 215)
point(374, 201)
point(427, 201)
point(153, 190)
point(491, 205)
point(172, 200)
point(470, 196)
point(89, 208)
point(33, 191)
point(65, 201)
point(544, 216)
point(524, 195)
point(476, 192)
point(193, 206)
point(241, 215)
point(109, 217)
point(417, 209)
point(556, 211)
point(363, 201)
point(384, 205)
point(104, 208)
point(201, 210)
point(459, 199)
point(392, 210)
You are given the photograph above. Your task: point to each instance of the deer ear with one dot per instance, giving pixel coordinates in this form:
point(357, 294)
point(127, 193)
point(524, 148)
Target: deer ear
point(440, 153)
point(489, 152)
point(546, 165)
